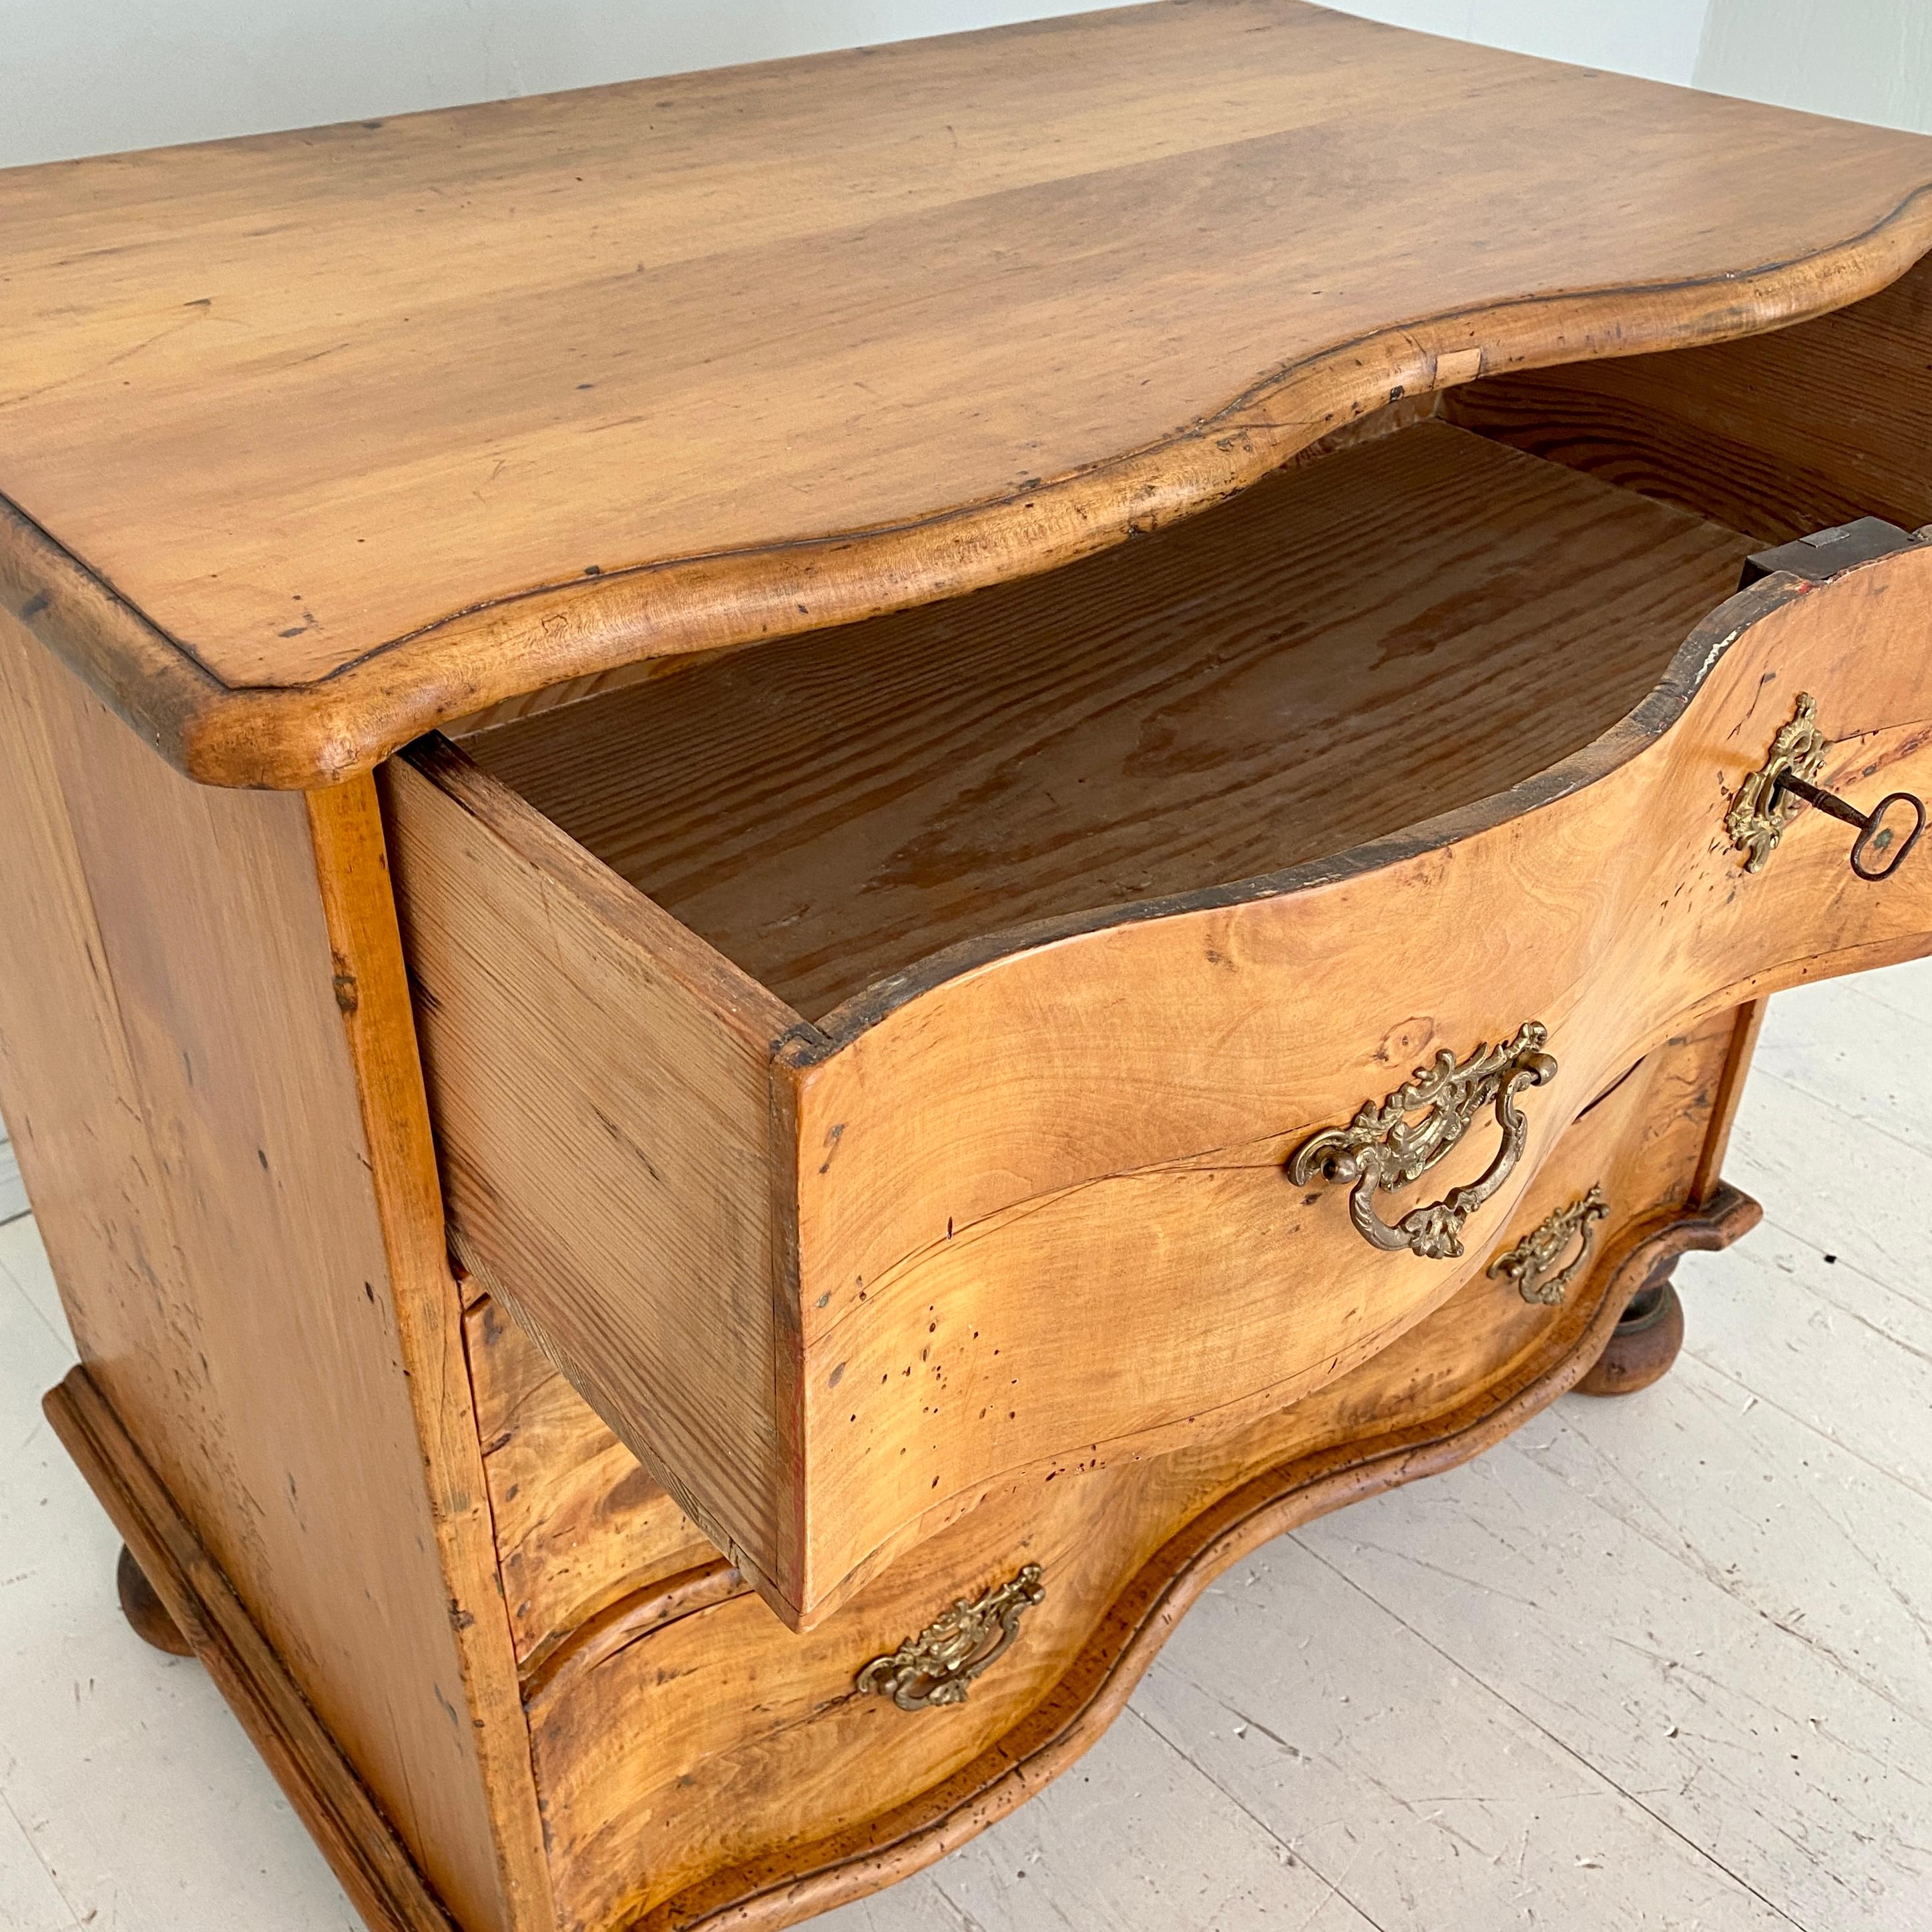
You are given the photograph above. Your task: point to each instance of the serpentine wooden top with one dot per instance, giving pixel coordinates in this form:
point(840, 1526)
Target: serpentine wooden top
point(312, 441)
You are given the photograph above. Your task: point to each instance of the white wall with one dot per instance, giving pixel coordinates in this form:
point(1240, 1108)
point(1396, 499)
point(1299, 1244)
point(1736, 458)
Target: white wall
point(90, 77)
point(1658, 39)
point(1862, 60)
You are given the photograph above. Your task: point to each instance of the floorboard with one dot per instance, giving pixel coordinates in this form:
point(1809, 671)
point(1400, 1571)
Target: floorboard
point(12, 1192)
point(1426, 1794)
point(134, 1795)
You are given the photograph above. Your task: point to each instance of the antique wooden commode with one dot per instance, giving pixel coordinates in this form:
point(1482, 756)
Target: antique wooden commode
point(573, 696)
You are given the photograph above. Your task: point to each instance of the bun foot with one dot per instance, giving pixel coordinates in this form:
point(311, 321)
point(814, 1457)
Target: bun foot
point(1643, 1345)
point(145, 1610)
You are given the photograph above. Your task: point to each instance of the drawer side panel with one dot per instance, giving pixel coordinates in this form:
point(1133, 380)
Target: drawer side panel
point(604, 1127)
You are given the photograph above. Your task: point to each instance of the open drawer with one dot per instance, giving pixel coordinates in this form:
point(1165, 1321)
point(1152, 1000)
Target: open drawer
point(890, 1067)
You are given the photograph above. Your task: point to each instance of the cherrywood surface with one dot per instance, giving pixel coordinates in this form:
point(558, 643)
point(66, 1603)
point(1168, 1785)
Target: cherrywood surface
point(1256, 688)
point(1797, 431)
point(704, 1763)
point(314, 440)
point(187, 1103)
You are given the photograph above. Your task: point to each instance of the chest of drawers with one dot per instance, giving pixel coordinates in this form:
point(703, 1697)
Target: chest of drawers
point(818, 870)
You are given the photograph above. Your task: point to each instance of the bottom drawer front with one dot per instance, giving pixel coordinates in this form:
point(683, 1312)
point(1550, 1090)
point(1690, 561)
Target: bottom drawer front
point(682, 1747)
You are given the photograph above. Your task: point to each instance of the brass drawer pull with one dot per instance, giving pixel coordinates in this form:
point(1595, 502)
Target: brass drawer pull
point(1380, 1149)
point(1768, 799)
point(938, 1666)
point(1528, 1263)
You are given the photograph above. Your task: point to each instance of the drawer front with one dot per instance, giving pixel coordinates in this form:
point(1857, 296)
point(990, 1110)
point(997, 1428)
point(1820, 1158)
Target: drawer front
point(1045, 1204)
point(580, 1523)
point(672, 1748)
point(1029, 1208)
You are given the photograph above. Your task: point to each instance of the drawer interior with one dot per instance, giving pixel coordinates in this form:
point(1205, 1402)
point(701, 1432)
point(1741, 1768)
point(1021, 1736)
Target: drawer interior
point(1352, 646)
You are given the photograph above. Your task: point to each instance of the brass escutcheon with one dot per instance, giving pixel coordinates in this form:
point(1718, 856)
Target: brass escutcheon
point(1382, 1149)
point(938, 1666)
point(1528, 1263)
point(1760, 811)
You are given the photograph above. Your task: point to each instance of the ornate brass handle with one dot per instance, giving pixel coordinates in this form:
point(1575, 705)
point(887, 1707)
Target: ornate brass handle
point(938, 1666)
point(1380, 1149)
point(1528, 1263)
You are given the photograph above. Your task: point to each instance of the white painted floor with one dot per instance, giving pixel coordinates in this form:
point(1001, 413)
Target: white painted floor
point(1664, 1662)
point(13, 1195)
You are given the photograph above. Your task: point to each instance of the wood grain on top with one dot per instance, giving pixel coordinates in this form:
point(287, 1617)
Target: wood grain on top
point(316, 439)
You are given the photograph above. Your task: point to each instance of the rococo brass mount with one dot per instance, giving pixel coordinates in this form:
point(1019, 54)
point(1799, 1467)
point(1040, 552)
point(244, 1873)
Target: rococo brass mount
point(1528, 1263)
point(1762, 809)
point(938, 1666)
point(1769, 798)
point(1382, 1149)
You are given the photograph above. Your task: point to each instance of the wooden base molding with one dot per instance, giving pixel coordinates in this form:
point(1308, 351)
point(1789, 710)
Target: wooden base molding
point(193, 1595)
point(362, 1850)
